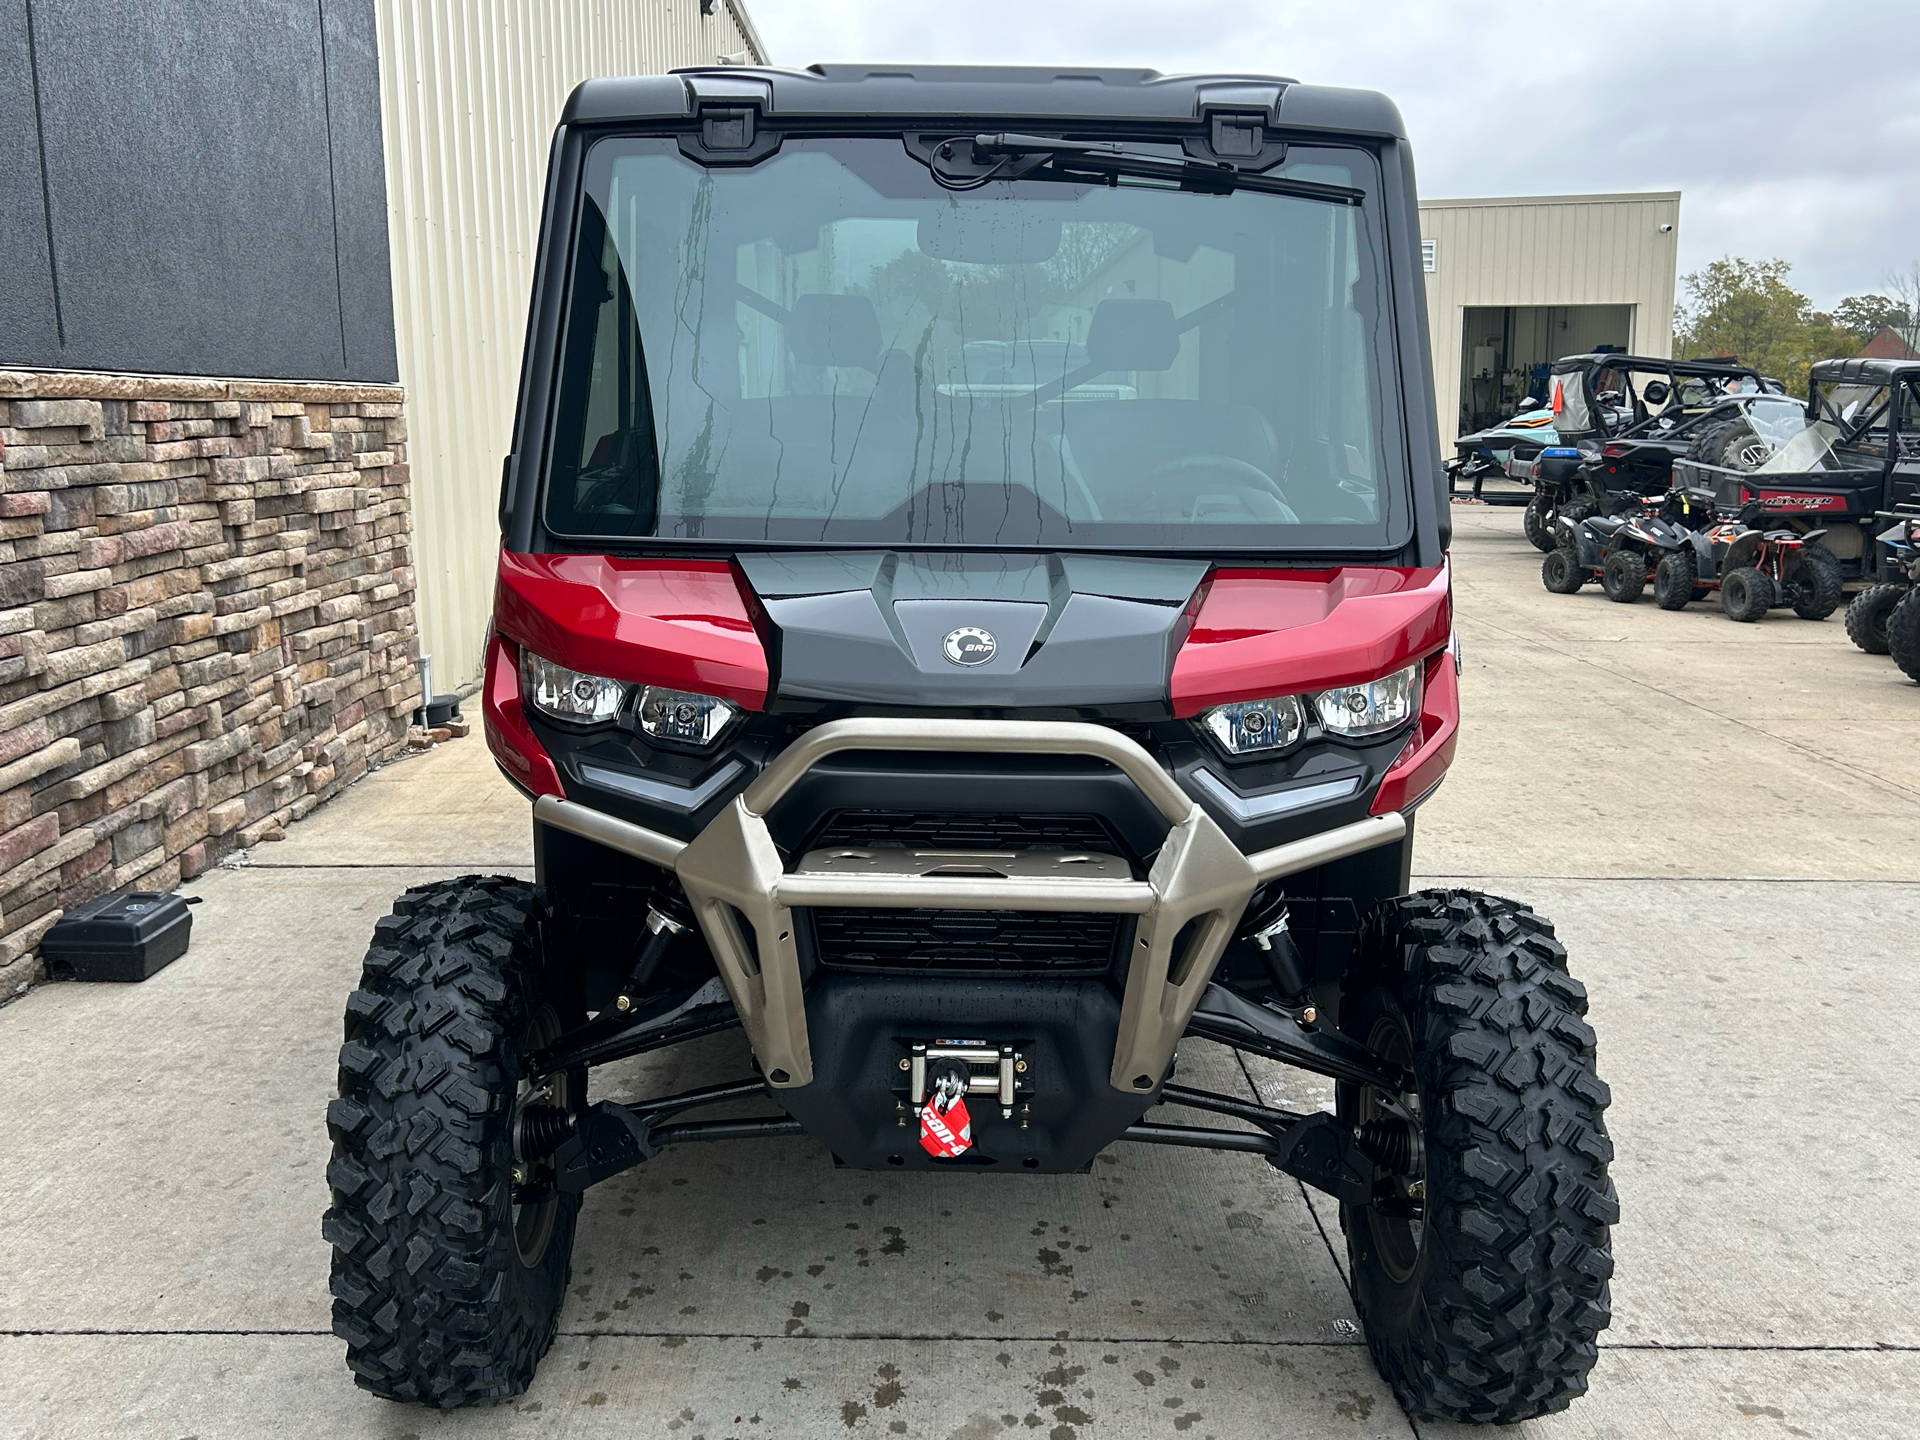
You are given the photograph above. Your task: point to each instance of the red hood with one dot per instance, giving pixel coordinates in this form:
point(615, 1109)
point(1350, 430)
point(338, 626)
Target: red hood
point(679, 623)
point(1281, 632)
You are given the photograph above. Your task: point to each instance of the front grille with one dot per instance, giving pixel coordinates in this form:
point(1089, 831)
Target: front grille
point(967, 942)
point(959, 830)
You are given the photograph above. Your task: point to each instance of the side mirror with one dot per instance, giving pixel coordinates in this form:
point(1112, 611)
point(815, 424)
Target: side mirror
point(1657, 393)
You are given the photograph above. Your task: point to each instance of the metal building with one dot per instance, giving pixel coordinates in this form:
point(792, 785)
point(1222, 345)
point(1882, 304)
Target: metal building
point(1515, 283)
point(469, 95)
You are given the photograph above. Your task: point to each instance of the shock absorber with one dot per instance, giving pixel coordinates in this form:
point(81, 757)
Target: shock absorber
point(667, 916)
point(1285, 965)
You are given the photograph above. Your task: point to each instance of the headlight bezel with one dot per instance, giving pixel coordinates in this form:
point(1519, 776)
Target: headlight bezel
point(723, 714)
point(602, 699)
point(1400, 692)
point(581, 700)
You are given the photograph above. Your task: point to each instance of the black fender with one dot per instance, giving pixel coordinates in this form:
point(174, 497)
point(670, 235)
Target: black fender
point(1741, 550)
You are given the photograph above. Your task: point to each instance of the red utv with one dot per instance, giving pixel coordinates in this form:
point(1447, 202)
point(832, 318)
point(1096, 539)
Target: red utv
point(974, 615)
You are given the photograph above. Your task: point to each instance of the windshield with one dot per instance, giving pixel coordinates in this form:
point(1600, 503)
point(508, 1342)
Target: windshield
point(831, 348)
point(1777, 421)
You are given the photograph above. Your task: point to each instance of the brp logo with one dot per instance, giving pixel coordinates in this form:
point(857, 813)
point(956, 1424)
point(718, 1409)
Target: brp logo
point(970, 645)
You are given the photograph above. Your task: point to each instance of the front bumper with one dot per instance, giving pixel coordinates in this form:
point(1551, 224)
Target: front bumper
point(744, 895)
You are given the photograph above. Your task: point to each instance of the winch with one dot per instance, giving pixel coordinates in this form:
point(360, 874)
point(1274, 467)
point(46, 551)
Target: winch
point(980, 1069)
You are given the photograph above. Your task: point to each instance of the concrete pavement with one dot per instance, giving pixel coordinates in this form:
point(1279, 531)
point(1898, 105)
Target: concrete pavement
point(1720, 818)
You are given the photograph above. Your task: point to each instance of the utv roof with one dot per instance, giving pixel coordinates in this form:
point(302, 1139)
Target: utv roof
point(1567, 364)
point(1863, 371)
point(935, 92)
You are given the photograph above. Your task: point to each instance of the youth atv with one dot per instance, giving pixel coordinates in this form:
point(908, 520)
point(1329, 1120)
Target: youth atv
point(1754, 570)
point(973, 618)
point(1622, 551)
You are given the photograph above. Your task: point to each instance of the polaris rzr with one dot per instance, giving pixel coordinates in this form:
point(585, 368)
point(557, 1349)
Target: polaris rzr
point(1621, 420)
point(973, 615)
point(1858, 456)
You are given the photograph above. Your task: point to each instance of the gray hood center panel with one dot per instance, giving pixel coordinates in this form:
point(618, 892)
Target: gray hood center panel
point(1073, 631)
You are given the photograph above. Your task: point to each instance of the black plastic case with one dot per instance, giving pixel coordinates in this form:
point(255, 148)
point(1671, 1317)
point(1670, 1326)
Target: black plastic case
point(118, 937)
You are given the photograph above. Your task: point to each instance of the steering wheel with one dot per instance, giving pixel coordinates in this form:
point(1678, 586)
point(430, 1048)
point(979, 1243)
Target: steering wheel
point(1180, 480)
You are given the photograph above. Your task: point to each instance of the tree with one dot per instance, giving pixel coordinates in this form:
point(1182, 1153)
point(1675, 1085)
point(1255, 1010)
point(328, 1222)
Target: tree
point(1865, 316)
point(1747, 308)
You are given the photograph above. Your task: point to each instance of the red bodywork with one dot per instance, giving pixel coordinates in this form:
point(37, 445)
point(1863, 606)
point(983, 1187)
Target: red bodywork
point(1796, 500)
point(1285, 632)
point(684, 624)
point(690, 625)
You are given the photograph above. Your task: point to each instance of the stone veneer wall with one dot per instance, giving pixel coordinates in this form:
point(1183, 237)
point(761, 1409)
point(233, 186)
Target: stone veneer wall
point(206, 624)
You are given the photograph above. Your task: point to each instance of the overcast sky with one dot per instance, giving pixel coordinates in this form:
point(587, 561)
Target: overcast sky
point(1791, 129)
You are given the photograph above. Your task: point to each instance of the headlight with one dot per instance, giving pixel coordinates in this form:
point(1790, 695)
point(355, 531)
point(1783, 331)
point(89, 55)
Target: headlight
point(1352, 712)
point(683, 715)
point(1356, 711)
point(1248, 726)
point(563, 694)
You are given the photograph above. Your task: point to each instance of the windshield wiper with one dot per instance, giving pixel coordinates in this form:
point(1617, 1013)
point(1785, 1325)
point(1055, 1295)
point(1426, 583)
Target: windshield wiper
point(962, 164)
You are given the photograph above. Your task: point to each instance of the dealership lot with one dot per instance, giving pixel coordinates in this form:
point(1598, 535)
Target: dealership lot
point(1721, 819)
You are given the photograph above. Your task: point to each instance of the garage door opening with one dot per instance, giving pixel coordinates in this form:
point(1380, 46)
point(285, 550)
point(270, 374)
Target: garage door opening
point(1506, 349)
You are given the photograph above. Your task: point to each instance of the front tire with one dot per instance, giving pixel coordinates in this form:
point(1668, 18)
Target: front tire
point(1746, 595)
point(1561, 572)
point(1624, 577)
point(1814, 584)
point(1867, 616)
point(1673, 581)
point(1487, 1308)
point(446, 1290)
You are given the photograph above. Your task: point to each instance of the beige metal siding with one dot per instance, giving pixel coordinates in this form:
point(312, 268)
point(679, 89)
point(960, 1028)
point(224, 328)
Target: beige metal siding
point(470, 91)
point(1547, 250)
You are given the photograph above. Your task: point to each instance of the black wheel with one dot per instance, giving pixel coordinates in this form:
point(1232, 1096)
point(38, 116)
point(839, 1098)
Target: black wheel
point(1673, 579)
point(1813, 582)
point(1624, 576)
point(1561, 572)
point(1480, 1273)
point(449, 1260)
point(1867, 616)
point(1583, 507)
point(1903, 634)
point(1745, 594)
point(1538, 522)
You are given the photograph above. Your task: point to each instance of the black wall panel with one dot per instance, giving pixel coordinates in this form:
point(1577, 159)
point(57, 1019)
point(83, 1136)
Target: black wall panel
point(27, 321)
point(215, 187)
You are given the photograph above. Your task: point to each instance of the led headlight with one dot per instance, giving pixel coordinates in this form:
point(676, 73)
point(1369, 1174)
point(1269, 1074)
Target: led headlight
point(683, 715)
point(1352, 712)
point(1357, 711)
point(569, 695)
point(1249, 726)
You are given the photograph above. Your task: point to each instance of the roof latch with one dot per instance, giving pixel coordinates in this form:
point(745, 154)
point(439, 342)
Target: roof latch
point(1237, 137)
point(729, 129)
point(731, 113)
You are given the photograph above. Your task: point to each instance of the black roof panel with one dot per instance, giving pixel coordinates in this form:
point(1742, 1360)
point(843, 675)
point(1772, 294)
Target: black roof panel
point(984, 91)
point(1858, 371)
point(1567, 364)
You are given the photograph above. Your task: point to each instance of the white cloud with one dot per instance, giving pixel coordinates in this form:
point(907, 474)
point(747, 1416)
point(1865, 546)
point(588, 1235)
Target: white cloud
point(1793, 130)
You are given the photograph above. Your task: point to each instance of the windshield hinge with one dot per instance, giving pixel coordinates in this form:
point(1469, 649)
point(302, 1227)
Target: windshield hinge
point(731, 111)
point(1239, 116)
